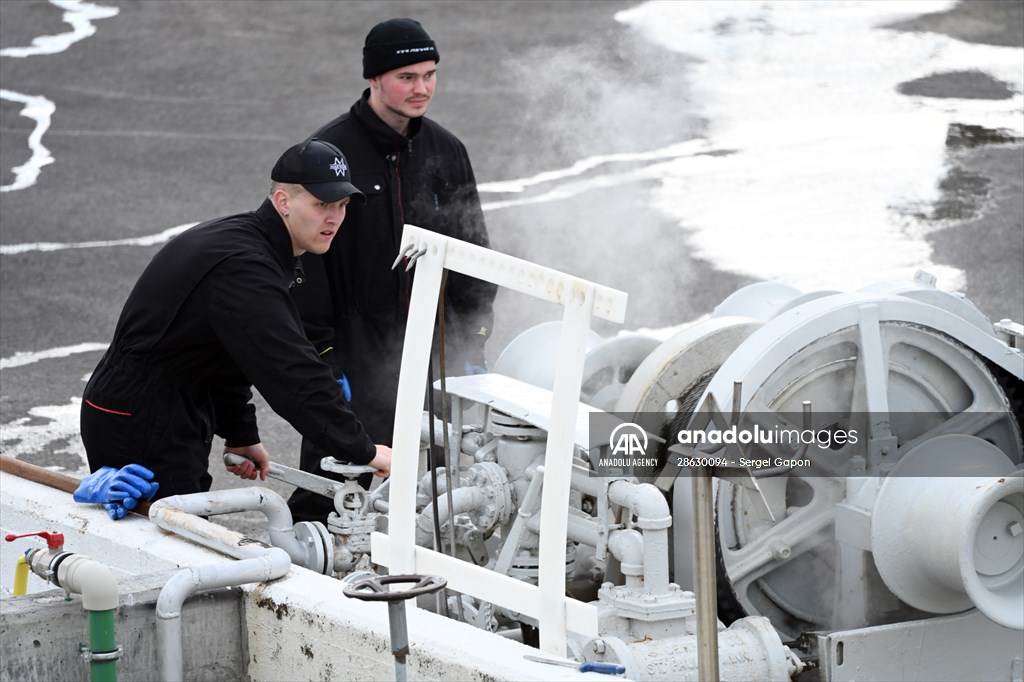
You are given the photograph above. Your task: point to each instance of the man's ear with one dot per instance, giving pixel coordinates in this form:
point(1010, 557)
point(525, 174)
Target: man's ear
point(280, 200)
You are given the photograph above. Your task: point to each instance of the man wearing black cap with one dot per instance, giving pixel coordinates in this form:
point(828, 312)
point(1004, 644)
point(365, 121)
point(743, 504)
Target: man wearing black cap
point(412, 171)
point(210, 317)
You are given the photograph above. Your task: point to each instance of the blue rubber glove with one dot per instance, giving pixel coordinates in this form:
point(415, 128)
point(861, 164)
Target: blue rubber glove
point(96, 486)
point(118, 510)
point(119, 490)
point(474, 369)
point(115, 510)
point(132, 482)
point(346, 388)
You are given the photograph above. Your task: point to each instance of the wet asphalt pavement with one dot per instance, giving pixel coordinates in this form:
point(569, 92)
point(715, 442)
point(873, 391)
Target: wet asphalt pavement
point(174, 112)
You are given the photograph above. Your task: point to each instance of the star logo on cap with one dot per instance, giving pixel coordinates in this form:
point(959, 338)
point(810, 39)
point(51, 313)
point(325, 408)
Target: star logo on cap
point(338, 167)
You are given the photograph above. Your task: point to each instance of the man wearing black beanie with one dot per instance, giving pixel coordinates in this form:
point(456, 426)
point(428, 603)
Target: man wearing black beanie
point(412, 170)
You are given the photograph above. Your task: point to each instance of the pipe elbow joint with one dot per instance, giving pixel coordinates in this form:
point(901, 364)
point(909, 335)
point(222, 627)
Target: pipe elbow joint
point(156, 509)
point(652, 512)
point(94, 581)
point(644, 500)
point(628, 547)
point(179, 587)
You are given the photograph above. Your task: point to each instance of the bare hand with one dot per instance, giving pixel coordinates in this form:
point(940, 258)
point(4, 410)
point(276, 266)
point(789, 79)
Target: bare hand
point(381, 461)
point(257, 462)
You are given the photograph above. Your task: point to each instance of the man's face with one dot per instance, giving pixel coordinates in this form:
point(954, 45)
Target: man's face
point(312, 223)
point(406, 91)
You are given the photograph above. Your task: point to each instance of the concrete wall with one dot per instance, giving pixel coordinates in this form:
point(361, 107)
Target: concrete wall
point(300, 627)
point(40, 634)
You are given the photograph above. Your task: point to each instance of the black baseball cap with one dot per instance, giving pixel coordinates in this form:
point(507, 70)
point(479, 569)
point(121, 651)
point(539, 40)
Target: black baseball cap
point(320, 168)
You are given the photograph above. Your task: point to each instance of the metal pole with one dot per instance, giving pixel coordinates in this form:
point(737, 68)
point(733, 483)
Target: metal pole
point(399, 637)
point(449, 477)
point(704, 575)
point(442, 596)
point(373, 589)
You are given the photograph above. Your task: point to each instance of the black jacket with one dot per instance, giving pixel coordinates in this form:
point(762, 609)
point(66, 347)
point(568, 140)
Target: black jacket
point(211, 316)
point(355, 303)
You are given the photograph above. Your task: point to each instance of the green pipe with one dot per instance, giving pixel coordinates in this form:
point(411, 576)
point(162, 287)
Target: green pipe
point(101, 641)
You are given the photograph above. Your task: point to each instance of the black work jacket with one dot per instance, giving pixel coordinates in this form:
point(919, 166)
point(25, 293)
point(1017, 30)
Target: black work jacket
point(213, 313)
point(354, 302)
point(426, 180)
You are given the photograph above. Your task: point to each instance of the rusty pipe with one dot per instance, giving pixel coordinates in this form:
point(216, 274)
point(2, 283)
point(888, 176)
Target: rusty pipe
point(53, 479)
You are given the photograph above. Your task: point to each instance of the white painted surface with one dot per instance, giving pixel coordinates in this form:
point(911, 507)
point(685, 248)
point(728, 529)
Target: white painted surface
point(131, 546)
point(581, 300)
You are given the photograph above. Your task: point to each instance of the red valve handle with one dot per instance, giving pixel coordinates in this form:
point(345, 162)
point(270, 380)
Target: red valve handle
point(53, 540)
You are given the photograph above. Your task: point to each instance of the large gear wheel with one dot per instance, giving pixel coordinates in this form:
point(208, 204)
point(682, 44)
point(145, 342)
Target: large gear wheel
point(903, 365)
point(891, 368)
point(663, 393)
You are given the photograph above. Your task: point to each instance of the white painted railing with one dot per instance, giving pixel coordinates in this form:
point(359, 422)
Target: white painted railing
point(581, 300)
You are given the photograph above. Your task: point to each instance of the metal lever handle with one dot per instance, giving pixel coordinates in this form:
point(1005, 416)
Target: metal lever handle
point(347, 470)
point(585, 667)
point(296, 477)
point(53, 540)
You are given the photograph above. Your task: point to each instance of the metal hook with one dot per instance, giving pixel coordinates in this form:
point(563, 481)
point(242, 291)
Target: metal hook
point(409, 248)
point(413, 257)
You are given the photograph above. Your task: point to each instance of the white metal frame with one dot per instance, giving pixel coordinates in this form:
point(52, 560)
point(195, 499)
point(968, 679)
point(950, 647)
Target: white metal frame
point(581, 300)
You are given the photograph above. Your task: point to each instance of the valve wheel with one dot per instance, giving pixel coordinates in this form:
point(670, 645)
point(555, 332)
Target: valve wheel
point(376, 589)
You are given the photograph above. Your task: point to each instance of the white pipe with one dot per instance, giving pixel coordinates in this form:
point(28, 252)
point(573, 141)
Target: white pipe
point(94, 581)
point(272, 505)
point(653, 518)
point(274, 563)
point(750, 649)
point(463, 500)
point(527, 512)
point(424, 489)
point(439, 427)
point(463, 443)
point(583, 482)
point(628, 547)
point(205, 533)
point(77, 574)
point(258, 563)
point(577, 529)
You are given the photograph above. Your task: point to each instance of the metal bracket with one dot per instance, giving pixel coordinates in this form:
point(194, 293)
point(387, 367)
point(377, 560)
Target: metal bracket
point(100, 656)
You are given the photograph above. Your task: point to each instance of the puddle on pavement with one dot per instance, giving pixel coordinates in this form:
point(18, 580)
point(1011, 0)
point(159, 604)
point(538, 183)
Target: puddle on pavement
point(965, 136)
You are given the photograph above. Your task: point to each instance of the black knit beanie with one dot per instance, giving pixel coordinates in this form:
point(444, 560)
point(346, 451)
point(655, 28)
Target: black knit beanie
point(396, 43)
